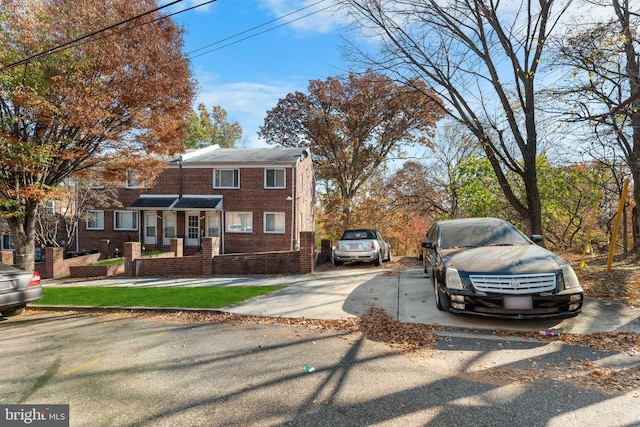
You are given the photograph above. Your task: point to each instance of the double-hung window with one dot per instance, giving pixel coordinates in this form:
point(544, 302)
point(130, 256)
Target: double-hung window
point(226, 178)
point(239, 222)
point(125, 220)
point(274, 222)
point(95, 221)
point(275, 178)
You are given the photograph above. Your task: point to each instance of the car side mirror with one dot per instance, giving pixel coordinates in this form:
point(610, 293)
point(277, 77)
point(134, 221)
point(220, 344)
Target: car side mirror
point(428, 245)
point(536, 238)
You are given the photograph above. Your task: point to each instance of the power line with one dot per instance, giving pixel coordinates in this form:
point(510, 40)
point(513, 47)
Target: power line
point(91, 37)
point(74, 42)
point(255, 28)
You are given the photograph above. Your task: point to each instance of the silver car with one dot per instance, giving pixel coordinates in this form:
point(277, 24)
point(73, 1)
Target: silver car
point(364, 245)
point(17, 288)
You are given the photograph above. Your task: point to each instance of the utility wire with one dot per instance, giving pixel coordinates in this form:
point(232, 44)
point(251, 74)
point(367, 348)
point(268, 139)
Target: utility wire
point(88, 38)
point(255, 28)
point(255, 34)
point(68, 44)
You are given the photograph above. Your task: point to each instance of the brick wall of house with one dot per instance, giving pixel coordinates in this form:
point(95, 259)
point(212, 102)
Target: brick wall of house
point(91, 239)
point(251, 196)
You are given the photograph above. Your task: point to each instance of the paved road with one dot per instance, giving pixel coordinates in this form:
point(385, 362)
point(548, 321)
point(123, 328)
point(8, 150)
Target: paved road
point(115, 370)
point(406, 294)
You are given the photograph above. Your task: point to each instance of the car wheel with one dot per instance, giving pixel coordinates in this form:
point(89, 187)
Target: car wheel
point(388, 256)
point(424, 266)
point(13, 312)
point(436, 292)
point(378, 260)
point(337, 263)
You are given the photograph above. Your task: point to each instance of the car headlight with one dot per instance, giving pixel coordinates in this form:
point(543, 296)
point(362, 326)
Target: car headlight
point(453, 280)
point(570, 277)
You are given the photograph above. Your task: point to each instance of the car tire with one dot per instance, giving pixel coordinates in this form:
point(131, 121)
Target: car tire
point(13, 311)
point(378, 260)
point(436, 294)
point(424, 267)
point(337, 263)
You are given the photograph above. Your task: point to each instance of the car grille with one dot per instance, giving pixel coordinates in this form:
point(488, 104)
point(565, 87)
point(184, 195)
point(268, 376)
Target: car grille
point(514, 284)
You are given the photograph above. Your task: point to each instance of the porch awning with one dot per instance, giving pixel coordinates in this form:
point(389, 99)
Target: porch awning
point(199, 202)
point(154, 202)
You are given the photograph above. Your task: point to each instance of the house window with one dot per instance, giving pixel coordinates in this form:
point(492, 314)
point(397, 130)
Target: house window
point(96, 220)
point(125, 220)
point(274, 178)
point(6, 243)
point(50, 207)
point(226, 178)
point(239, 222)
point(274, 222)
point(134, 180)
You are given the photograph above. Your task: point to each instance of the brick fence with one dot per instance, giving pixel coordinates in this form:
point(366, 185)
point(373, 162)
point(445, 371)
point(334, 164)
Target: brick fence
point(210, 262)
point(173, 264)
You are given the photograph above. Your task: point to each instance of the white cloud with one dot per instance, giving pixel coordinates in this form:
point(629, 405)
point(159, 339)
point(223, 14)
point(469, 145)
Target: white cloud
point(306, 16)
point(245, 102)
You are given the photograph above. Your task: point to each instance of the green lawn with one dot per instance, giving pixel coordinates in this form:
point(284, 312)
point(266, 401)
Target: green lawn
point(185, 297)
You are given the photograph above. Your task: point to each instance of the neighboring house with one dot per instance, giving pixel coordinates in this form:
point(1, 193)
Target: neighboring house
point(254, 200)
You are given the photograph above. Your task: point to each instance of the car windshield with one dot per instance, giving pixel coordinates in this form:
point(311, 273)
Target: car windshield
point(480, 234)
point(358, 234)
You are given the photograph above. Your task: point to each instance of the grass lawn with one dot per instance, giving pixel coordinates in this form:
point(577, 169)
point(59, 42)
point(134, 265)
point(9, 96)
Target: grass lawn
point(185, 297)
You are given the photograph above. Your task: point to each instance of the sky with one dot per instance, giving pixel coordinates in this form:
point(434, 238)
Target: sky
point(248, 77)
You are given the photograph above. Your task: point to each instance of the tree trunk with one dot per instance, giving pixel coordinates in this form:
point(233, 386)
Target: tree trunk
point(23, 231)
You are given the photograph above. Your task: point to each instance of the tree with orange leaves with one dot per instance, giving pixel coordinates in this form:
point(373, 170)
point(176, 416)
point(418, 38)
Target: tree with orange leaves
point(353, 125)
point(115, 98)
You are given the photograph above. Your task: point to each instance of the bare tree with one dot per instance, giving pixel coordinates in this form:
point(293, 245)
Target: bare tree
point(74, 199)
point(482, 58)
point(605, 86)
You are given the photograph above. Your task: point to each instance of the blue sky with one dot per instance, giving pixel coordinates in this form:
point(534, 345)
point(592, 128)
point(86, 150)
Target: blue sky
point(248, 77)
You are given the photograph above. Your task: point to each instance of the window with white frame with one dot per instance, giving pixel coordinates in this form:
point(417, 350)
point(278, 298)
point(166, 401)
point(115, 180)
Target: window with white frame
point(134, 180)
point(226, 178)
point(125, 220)
point(239, 222)
point(50, 207)
point(274, 222)
point(274, 178)
point(95, 220)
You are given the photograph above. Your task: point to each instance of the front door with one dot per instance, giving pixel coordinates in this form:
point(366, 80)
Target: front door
point(192, 228)
point(169, 223)
point(150, 226)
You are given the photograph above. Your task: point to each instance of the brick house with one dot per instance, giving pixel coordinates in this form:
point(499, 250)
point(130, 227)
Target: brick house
point(254, 200)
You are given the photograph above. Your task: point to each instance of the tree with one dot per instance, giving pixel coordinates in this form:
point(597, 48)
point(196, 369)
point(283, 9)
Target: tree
point(483, 67)
point(605, 85)
point(352, 126)
point(115, 98)
point(204, 128)
point(75, 197)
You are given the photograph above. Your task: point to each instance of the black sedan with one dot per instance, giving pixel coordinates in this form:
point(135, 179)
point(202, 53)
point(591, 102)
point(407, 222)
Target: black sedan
point(487, 267)
point(17, 288)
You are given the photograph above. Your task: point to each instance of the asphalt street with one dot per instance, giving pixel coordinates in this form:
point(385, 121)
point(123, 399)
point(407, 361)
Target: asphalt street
point(122, 370)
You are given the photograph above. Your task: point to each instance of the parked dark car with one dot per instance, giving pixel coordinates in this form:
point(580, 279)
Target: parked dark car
point(364, 245)
point(487, 267)
point(17, 288)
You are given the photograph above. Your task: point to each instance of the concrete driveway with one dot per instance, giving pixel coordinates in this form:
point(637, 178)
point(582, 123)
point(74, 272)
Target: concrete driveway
point(406, 294)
